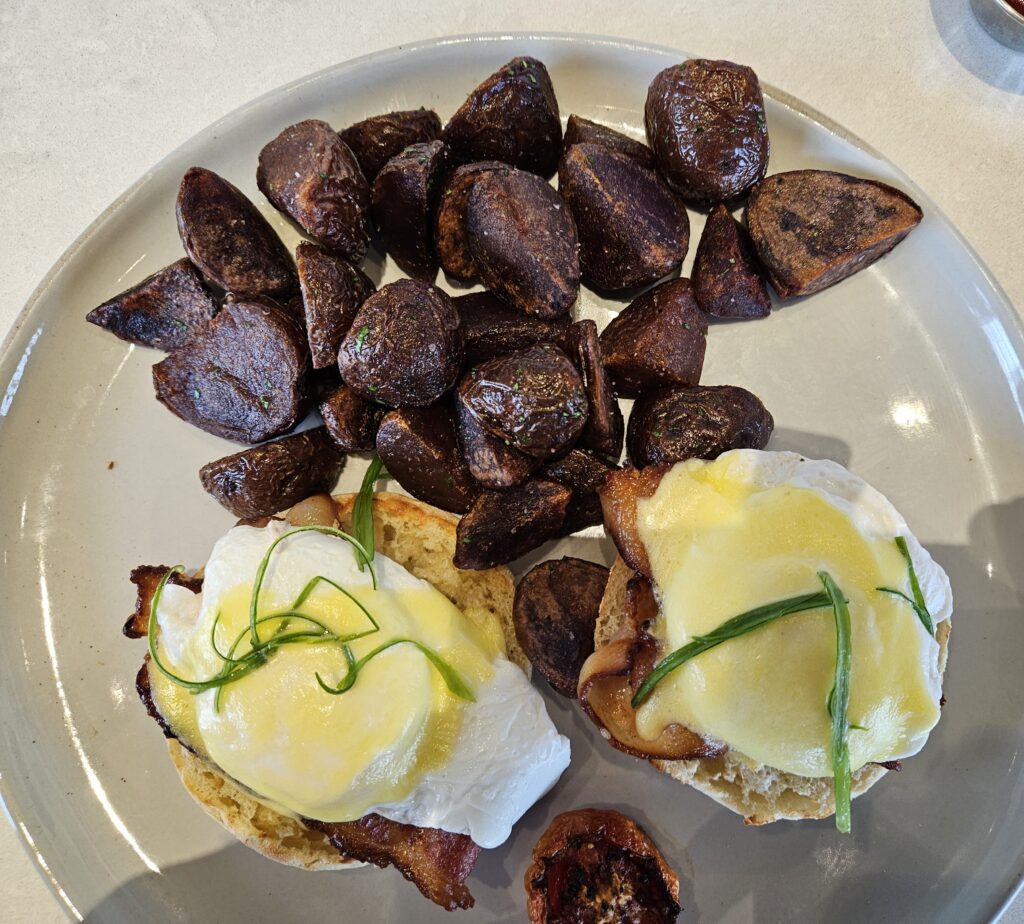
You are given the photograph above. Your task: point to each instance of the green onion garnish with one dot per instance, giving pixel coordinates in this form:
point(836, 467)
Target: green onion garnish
point(917, 604)
point(451, 677)
point(732, 628)
point(839, 703)
point(362, 512)
point(311, 629)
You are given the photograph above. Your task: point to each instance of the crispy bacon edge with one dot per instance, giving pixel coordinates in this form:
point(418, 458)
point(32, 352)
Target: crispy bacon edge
point(611, 675)
point(619, 492)
point(146, 578)
point(436, 862)
point(594, 823)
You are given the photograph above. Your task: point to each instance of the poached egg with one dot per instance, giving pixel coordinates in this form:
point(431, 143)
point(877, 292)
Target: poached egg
point(753, 527)
point(398, 742)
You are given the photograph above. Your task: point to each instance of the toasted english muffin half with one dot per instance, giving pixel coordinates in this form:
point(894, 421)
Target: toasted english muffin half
point(421, 539)
point(761, 794)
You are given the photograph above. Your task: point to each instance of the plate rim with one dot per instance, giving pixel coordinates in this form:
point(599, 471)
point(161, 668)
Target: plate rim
point(1002, 306)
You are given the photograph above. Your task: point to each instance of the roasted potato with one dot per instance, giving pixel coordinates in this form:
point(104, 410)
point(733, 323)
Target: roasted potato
point(404, 347)
point(310, 174)
point(533, 399)
point(351, 421)
point(450, 238)
point(582, 131)
point(658, 341)
point(491, 328)
point(512, 117)
point(727, 281)
point(583, 473)
point(523, 242)
point(502, 525)
point(161, 311)
point(604, 430)
point(229, 240)
point(632, 229)
point(374, 141)
point(420, 449)
point(696, 423)
point(491, 461)
point(332, 291)
point(405, 195)
point(245, 376)
point(554, 614)
point(812, 228)
point(705, 123)
point(266, 479)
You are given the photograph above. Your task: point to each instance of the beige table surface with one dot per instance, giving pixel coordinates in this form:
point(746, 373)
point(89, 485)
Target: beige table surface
point(94, 93)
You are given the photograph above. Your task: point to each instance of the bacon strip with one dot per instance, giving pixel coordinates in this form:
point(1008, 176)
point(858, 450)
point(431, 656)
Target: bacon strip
point(436, 862)
point(145, 690)
point(611, 675)
point(619, 493)
point(146, 578)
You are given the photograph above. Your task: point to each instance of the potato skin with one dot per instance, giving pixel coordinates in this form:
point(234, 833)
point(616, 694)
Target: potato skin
point(582, 131)
point(582, 472)
point(263, 480)
point(554, 614)
point(657, 342)
point(491, 328)
point(404, 347)
point(229, 240)
point(705, 123)
point(605, 428)
point(503, 525)
point(419, 447)
point(533, 399)
point(727, 282)
point(450, 238)
point(696, 423)
point(310, 174)
point(161, 311)
point(813, 228)
point(332, 291)
point(632, 229)
point(522, 238)
point(374, 141)
point(245, 376)
point(351, 421)
point(512, 117)
point(491, 461)
point(405, 195)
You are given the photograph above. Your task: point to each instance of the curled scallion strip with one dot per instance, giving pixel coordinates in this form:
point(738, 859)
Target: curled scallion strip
point(917, 604)
point(260, 649)
point(730, 629)
point(450, 677)
point(839, 703)
point(362, 512)
point(264, 563)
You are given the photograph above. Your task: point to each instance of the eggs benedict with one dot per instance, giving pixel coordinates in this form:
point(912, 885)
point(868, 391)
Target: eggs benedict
point(353, 700)
point(773, 633)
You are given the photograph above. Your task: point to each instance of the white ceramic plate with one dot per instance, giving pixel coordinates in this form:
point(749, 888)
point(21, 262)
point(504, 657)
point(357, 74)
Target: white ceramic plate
point(910, 373)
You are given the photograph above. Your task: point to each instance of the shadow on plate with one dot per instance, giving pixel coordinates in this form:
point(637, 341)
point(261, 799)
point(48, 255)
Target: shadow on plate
point(939, 816)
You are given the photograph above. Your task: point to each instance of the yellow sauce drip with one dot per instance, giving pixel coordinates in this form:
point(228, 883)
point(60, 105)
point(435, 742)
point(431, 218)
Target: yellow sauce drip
point(333, 757)
point(720, 546)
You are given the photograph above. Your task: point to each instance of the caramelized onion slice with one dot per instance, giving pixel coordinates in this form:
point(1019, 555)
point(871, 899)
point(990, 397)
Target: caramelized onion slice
point(611, 675)
point(619, 493)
